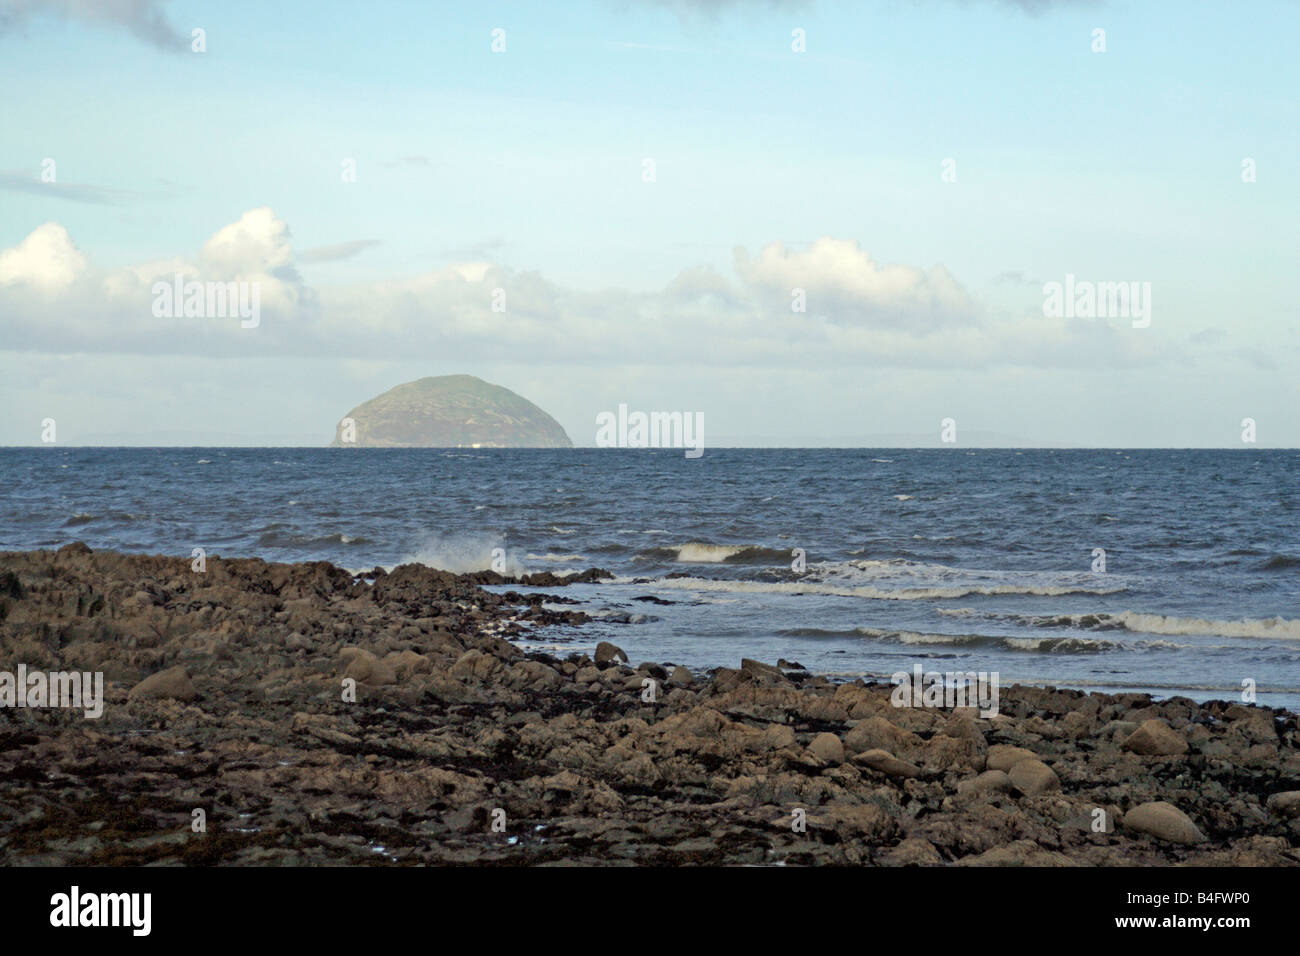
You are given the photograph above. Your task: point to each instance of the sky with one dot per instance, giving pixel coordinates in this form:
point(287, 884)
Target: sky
point(811, 222)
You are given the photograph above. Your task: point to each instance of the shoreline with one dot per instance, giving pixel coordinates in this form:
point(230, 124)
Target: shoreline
point(224, 692)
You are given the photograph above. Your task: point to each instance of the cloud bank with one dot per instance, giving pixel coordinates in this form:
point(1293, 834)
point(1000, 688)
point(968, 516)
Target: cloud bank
point(831, 304)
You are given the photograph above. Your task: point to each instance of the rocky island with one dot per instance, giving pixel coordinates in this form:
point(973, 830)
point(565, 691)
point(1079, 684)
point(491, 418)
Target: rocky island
point(449, 411)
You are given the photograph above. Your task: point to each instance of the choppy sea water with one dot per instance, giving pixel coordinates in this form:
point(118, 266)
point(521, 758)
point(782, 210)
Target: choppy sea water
point(955, 559)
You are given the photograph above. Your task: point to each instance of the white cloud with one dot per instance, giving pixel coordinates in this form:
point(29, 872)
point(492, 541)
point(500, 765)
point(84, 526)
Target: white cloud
point(47, 259)
point(859, 312)
point(258, 244)
point(843, 283)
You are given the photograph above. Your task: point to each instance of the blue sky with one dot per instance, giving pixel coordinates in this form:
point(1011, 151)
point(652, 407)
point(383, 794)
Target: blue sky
point(1115, 166)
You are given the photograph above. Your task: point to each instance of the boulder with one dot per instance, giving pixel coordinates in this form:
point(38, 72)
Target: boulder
point(913, 851)
point(1285, 804)
point(990, 781)
point(172, 683)
point(828, 748)
point(1002, 757)
point(1164, 821)
point(681, 677)
point(1155, 738)
point(1032, 777)
point(876, 733)
point(365, 668)
point(607, 652)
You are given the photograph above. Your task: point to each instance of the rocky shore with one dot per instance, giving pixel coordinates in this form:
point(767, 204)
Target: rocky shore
point(316, 717)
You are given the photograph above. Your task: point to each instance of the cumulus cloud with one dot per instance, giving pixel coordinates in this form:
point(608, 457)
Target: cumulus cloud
point(46, 259)
point(258, 243)
point(842, 282)
point(859, 312)
point(53, 299)
point(144, 19)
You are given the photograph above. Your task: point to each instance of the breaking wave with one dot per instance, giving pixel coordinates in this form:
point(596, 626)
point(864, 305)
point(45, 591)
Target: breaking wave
point(1038, 645)
point(1138, 622)
point(805, 586)
point(699, 552)
point(466, 554)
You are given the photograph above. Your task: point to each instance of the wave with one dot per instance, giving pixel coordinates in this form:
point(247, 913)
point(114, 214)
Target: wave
point(699, 552)
point(558, 558)
point(1280, 562)
point(1038, 645)
point(805, 586)
point(612, 616)
point(280, 539)
point(465, 554)
point(1277, 628)
point(79, 518)
point(1269, 627)
point(1230, 690)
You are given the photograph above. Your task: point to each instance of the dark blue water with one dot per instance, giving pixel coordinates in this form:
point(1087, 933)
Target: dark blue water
point(955, 559)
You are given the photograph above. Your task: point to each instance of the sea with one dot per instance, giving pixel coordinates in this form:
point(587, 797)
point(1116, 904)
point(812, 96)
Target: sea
point(1173, 572)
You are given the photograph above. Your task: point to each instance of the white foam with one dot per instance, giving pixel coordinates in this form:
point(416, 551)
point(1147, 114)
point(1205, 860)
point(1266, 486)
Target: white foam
point(464, 554)
point(698, 552)
point(866, 591)
point(1270, 627)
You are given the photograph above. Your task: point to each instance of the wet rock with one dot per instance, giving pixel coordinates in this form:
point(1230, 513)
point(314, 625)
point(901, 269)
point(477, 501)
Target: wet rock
point(607, 653)
point(762, 673)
